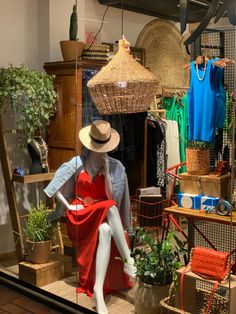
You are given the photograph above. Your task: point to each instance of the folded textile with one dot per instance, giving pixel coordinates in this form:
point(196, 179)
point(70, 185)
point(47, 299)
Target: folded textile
point(97, 48)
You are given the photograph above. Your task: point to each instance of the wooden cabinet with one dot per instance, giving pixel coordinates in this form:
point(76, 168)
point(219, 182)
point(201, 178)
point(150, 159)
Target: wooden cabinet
point(62, 138)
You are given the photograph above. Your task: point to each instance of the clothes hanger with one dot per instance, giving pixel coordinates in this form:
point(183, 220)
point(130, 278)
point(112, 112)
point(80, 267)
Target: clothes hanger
point(222, 62)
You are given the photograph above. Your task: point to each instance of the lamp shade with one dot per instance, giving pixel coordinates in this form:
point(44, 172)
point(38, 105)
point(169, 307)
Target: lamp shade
point(123, 85)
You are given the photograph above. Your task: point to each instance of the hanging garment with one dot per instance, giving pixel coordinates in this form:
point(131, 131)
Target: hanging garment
point(162, 158)
point(172, 143)
point(155, 153)
point(178, 110)
point(217, 81)
point(83, 231)
point(202, 103)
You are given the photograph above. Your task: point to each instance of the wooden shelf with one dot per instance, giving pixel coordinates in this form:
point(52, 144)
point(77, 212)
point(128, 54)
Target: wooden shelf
point(40, 177)
point(195, 214)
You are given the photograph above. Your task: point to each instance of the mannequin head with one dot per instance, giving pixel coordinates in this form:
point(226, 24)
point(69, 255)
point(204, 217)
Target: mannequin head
point(99, 137)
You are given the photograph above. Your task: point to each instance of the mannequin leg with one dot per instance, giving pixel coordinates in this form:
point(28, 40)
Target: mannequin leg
point(102, 260)
point(117, 231)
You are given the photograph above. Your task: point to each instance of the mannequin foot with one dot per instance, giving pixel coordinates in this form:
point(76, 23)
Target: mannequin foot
point(100, 303)
point(130, 269)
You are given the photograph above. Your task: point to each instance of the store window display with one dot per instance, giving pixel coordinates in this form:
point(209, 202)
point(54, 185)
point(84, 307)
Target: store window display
point(94, 189)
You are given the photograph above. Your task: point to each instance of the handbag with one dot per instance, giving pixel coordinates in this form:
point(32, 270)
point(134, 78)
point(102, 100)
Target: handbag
point(208, 264)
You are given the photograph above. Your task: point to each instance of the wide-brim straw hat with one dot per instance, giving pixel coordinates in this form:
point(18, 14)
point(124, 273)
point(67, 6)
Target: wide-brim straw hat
point(99, 137)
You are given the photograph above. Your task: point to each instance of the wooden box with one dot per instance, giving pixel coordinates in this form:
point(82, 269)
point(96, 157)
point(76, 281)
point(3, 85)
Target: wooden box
point(205, 184)
point(58, 267)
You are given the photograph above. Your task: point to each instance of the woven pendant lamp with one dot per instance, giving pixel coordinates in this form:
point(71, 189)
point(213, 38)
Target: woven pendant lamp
point(123, 85)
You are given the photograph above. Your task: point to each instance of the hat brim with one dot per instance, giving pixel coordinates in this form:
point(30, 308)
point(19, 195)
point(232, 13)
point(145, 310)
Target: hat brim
point(99, 147)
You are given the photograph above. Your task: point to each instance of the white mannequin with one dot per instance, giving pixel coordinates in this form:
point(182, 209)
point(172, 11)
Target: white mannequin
point(98, 163)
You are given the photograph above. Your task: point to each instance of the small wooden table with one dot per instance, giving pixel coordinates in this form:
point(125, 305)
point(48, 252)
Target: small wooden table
point(195, 214)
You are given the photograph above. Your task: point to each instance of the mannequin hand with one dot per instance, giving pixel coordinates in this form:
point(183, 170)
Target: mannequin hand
point(88, 200)
point(75, 207)
point(105, 167)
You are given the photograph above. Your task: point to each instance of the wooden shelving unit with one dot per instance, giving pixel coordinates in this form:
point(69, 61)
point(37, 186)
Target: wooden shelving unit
point(33, 178)
point(10, 179)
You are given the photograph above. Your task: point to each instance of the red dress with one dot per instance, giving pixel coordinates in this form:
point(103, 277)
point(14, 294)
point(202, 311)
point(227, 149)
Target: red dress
point(82, 229)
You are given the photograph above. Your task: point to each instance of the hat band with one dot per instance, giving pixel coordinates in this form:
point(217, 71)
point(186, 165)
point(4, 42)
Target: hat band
point(99, 141)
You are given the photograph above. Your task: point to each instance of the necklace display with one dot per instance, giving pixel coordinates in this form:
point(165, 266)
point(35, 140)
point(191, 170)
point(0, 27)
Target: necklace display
point(42, 148)
point(204, 71)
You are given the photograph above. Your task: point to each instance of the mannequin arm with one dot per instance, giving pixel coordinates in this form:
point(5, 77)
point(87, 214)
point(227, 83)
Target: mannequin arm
point(63, 201)
point(108, 184)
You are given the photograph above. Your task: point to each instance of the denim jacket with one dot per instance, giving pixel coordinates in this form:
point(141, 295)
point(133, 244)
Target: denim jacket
point(64, 181)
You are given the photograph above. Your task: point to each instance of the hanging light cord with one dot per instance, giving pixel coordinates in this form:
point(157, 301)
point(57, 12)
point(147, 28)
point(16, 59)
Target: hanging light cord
point(100, 28)
point(122, 18)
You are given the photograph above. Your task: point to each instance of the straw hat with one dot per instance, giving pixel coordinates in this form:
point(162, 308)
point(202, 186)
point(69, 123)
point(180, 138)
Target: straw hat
point(99, 137)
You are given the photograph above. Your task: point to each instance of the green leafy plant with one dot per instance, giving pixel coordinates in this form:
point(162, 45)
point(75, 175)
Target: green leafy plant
point(30, 94)
point(37, 227)
point(198, 144)
point(73, 30)
point(156, 262)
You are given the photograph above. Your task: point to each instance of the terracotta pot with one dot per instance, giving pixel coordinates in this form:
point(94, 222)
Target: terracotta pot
point(198, 161)
point(71, 49)
point(148, 297)
point(39, 252)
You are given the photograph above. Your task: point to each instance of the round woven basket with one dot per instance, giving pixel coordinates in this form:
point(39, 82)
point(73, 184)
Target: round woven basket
point(123, 85)
point(198, 161)
point(165, 53)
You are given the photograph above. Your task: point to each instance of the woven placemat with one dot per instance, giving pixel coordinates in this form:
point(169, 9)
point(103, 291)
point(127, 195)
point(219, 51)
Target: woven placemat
point(165, 53)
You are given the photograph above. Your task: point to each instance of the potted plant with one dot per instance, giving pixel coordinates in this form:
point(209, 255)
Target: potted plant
point(72, 48)
point(39, 234)
point(30, 96)
point(198, 158)
point(156, 263)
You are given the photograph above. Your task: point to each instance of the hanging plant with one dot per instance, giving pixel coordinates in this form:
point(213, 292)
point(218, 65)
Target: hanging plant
point(31, 95)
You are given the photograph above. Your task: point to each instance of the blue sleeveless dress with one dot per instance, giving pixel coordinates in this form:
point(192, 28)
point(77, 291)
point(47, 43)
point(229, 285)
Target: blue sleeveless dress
point(201, 104)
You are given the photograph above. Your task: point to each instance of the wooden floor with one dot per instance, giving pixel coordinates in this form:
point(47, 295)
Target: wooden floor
point(122, 302)
point(14, 302)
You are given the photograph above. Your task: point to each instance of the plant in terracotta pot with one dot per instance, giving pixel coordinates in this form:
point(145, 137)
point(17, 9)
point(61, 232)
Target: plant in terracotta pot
point(156, 263)
point(39, 234)
point(72, 48)
point(29, 98)
point(198, 158)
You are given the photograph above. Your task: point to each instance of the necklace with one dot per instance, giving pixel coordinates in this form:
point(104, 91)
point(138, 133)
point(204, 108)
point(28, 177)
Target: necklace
point(204, 71)
point(43, 151)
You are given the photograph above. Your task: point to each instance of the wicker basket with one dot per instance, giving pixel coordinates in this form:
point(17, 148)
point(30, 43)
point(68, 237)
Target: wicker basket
point(198, 161)
point(219, 304)
point(167, 308)
point(123, 85)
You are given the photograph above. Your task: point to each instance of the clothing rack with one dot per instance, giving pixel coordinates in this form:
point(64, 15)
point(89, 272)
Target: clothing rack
point(170, 91)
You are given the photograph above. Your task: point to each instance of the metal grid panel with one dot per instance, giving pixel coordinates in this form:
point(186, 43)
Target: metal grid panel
point(223, 238)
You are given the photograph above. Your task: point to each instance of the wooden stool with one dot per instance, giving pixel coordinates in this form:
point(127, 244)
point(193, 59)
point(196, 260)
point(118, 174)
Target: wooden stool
point(189, 294)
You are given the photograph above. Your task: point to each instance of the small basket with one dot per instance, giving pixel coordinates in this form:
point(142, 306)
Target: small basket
point(167, 308)
point(219, 304)
point(123, 85)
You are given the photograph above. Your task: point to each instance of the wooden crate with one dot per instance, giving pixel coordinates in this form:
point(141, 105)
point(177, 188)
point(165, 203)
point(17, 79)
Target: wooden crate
point(58, 267)
point(205, 184)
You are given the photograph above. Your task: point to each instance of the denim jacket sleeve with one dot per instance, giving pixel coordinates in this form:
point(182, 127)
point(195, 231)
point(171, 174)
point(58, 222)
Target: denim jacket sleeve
point(64, 178)
point(121, 191)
